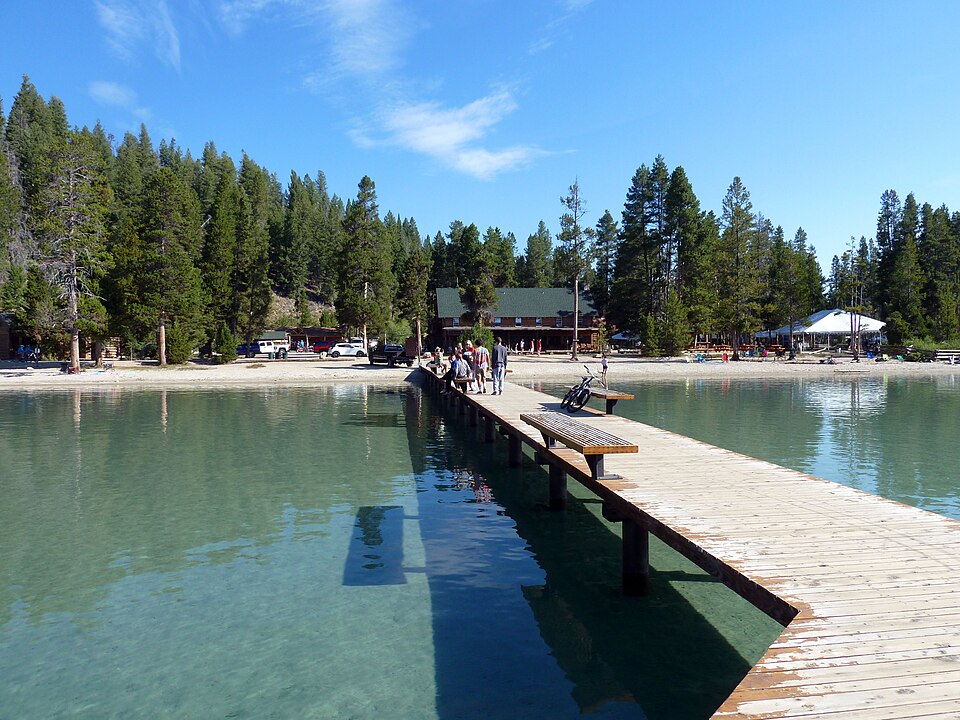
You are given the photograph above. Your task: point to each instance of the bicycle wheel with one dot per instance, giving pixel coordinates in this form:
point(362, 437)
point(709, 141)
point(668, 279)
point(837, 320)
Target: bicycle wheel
point(568, 397)
point(579, 401)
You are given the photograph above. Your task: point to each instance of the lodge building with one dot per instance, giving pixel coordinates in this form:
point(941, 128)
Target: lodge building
point(528, 314)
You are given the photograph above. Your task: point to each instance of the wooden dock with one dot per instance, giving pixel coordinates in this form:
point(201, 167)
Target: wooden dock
point(868, 590)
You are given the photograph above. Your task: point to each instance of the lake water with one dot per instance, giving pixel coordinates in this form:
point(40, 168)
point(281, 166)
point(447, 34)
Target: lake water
point(348, 552)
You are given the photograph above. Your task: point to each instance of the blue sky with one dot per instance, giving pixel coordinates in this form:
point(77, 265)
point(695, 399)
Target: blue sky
point(486, 111)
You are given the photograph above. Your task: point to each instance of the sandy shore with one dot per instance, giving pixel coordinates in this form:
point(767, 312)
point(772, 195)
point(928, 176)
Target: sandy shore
point(310, 371)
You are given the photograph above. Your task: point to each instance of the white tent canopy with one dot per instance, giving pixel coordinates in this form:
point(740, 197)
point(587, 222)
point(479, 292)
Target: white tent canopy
point(828, 322)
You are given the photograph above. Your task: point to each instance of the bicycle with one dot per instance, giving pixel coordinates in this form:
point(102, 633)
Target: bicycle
point(578, 395)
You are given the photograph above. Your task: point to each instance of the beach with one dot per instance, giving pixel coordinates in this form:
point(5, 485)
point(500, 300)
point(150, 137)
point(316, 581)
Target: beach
point(311, 370)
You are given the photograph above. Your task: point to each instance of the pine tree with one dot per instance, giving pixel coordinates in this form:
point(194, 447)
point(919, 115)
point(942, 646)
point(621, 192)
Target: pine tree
point(633, 294)
point(218, 258)
point(538, 259)
point(700, 288)
point(293, 255)
point(251, 281)
point(70, 207)
point(171, 289)
point(577, 243)
point(500, 250)
point(682, 225)
point(32, 128)
point(10, 207)
point(366, 283)
point(477, 289)
point(412, 292)
point(606, 247)
point(739, 281)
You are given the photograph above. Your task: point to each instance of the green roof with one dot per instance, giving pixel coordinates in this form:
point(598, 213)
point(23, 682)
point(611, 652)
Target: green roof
point(519, 302)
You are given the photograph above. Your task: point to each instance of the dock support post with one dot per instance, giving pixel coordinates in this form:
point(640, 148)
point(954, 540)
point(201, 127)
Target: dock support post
point(489, 427)
point(558, 488)
point(636, 559)
point(515, 457)
point(463, 405)
point(473, 415)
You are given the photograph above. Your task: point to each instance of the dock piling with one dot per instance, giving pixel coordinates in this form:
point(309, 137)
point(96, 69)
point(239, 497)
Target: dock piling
point(636, 559)
point(515, 457)
point(558, 488)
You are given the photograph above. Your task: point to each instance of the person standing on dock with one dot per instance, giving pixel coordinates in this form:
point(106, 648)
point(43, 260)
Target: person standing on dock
point(481, 361)
point(469, 359)
point(499, 364)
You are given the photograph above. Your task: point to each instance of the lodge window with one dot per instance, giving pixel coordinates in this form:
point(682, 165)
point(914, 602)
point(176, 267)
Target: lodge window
point(456, 322)
point(539, 321)
point(498, 321)
point(559, 322)
point(518, 321)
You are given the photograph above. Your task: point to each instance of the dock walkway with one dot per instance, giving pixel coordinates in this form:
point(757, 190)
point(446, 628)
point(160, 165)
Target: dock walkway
point(868, 589)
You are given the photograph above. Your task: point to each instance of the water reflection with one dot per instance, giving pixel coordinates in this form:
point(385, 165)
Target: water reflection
point(376, 548)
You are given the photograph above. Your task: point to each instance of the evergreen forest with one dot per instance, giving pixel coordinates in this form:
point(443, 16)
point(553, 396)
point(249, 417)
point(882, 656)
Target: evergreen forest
point(118, 238)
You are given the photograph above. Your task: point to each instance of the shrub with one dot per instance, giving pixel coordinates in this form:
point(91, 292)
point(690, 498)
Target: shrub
point(225, 344)
point(179, 345)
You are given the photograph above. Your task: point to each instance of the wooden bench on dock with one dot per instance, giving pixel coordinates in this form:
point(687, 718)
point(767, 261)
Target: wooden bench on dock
point(591, 442)
point(611, 396)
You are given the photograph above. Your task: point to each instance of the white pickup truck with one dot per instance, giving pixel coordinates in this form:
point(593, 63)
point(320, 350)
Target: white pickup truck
point(270, 348)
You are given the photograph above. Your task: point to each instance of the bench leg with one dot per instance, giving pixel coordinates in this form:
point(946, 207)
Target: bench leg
point(515, 457)
point(636, 559)
point(611, 404)
point(596, 468)
point(558, 488)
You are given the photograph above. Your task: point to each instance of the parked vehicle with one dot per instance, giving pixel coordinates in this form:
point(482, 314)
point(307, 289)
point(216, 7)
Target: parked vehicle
point(270, 348)
point(390, 355)
point(322, 347)
point(347, 350)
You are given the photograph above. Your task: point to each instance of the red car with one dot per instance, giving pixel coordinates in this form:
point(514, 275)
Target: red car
point(322, 347)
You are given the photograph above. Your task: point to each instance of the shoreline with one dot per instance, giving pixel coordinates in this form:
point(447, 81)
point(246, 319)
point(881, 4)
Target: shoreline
point(313, 371)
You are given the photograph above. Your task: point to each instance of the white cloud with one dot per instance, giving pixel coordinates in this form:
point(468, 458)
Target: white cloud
point(556, 27)
point(235, 15)
point(453, 135)
point(367, 36)
point(117, 95)
point(131, 24)
point(111, 93)
point(365, 42)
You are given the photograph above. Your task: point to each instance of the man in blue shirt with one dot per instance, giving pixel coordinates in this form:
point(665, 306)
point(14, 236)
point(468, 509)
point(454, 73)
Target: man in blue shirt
point(498, 361)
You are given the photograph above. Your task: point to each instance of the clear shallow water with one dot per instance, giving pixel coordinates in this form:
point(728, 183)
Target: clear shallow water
point(339, 553)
